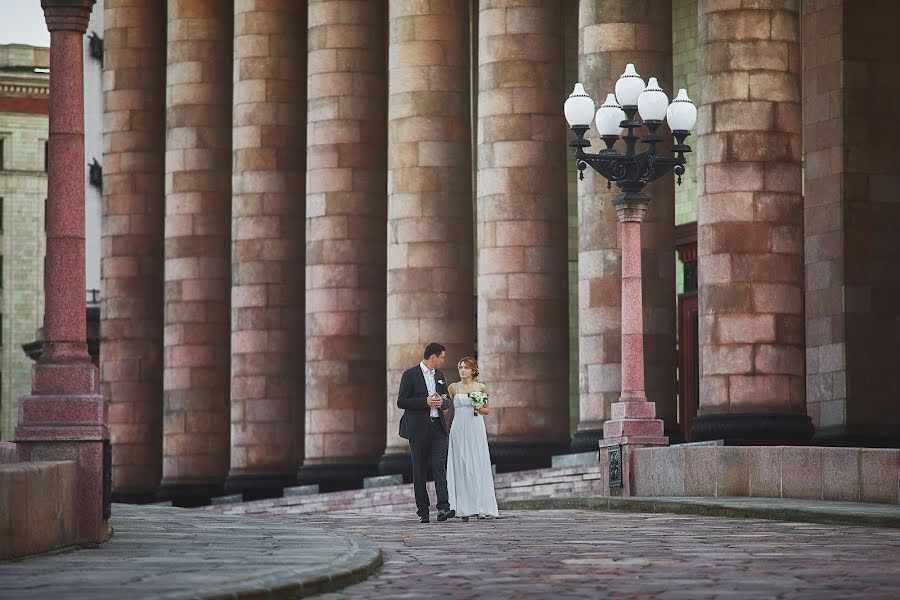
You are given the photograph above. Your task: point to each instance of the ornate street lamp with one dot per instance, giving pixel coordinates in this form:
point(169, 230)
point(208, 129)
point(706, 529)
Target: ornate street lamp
point(633, 420)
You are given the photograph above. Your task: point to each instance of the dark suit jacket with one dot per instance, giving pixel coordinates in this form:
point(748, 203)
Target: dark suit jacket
point(413, 399)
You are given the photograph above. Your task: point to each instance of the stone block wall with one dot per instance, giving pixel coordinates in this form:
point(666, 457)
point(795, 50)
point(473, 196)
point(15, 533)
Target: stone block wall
point(37, 507)
point(847, 474)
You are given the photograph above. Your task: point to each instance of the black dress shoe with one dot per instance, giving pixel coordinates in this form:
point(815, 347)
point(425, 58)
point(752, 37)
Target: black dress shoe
point(425, 519)
point(443, 515)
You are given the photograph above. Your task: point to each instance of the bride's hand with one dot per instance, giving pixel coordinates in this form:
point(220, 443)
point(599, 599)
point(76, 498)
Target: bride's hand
point(484, 410)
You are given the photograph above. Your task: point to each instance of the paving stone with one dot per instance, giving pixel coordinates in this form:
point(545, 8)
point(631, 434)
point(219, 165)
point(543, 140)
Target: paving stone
point(161, 552)
point(591, 554)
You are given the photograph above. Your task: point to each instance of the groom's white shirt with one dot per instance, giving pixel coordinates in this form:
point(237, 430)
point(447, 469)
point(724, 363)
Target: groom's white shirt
point(429, 383)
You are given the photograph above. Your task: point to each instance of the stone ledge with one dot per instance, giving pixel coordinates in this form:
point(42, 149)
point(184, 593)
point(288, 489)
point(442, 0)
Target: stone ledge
point(172, 552)
point(37, 508)
point(777, 509)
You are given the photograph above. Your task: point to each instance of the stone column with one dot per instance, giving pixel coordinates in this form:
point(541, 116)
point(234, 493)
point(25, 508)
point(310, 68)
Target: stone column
point(521, 211)
point(63, 418)
point(197, 249)
point(851, 217)
point(267, 252)
point(131, 304)
point(611, 35)
point(429, 283)
point(346, 220)
point(750, 237)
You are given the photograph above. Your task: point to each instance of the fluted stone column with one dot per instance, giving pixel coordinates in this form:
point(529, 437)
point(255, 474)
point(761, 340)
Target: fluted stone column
point(197, 248)
point(346, 219)
point(269, 117)
point(521, 214)
point(131, 306)
point(611, 35)
point(429, 283)
point(750, 237)
point(64, 417)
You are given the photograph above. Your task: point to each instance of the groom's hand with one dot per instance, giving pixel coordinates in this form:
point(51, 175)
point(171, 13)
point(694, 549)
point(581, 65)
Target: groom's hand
point(435, 401)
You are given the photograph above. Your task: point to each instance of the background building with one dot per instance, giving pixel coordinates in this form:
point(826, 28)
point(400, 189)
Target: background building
point(24, 89)
point(402, 152)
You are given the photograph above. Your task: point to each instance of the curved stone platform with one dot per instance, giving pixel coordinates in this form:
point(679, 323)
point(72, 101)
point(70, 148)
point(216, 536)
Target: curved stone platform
point(160, 552)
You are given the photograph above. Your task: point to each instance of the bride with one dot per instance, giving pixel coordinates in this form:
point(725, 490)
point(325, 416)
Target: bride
point(469, 479)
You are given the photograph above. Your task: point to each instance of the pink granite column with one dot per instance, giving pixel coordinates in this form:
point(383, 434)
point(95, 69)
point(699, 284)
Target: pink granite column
point(197, 249)
point(64, 417)
point(522, 230)
point(132, 264)
point(346, 223)
point(611, 35)
point(750, 236)
point(267, 253)
point(429, 283)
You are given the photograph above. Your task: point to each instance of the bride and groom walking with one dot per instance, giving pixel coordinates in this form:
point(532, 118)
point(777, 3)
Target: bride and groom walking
point(443, 426)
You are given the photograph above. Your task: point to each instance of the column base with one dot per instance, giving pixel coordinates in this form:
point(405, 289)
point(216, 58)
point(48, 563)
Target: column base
point(523, 456)
point(586, 440)
point(396, 463)
point(336, 477)
point(70, 426)
point(753, 429)
point(259, 486)
point(189, 495)
point(135, 497)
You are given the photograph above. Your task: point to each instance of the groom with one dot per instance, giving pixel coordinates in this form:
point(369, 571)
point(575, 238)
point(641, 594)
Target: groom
point(423, 396)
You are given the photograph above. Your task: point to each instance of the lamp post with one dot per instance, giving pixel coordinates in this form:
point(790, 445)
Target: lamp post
point(633, 420)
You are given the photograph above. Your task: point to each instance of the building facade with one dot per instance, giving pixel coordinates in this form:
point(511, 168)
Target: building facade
point(299, 196)
point(24, 94)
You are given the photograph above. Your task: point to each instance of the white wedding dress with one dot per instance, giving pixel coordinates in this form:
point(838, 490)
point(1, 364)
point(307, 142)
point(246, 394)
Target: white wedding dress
point(470, 481)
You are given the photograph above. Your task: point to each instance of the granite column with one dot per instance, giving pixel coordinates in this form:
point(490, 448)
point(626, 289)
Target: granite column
point(522, 230)
point(64, 418)
point(346, 204)
point(269, 125)
point(197, 249)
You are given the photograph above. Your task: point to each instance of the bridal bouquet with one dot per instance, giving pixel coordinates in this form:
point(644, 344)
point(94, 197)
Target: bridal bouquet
point(478, 399)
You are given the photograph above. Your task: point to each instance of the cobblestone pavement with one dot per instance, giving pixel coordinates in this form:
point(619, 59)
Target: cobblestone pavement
point(176, 553)
point(590, 554)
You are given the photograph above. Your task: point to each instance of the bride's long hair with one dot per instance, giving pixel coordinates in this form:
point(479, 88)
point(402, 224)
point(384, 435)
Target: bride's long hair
point(470, 362)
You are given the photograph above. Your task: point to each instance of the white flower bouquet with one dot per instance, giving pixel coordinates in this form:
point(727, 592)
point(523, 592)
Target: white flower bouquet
point(478, 399)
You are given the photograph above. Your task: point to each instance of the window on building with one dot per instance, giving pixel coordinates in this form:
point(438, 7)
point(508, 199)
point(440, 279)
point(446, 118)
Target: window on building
point(1, 153)
point(1, 214)
point(46, 157)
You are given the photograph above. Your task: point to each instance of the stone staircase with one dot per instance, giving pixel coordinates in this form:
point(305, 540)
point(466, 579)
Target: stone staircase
point(572, 475)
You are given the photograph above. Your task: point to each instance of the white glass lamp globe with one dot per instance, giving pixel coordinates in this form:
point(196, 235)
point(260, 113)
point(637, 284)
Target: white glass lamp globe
point(609, 116)
point(629, 86)
point(579, 107)
point(682, 114)
point(653, 102)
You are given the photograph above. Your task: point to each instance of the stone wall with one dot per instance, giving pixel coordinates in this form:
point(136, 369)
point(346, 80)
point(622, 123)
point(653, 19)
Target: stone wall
point(37, 507)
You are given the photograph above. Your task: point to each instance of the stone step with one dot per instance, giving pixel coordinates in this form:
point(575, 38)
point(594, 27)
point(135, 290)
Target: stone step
point(302, 490)
point(705, 443)
point(575, 460)
point(230, 499)
point(382, 481)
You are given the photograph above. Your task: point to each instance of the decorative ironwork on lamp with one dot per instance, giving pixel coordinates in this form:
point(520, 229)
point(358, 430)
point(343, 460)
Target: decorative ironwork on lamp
point(632, 170)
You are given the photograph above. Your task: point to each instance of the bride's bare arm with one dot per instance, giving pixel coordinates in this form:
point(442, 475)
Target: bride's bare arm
point(485, 410)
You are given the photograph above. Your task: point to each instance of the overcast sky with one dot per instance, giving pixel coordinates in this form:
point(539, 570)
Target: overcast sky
point(22, 22)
